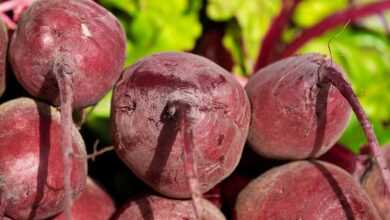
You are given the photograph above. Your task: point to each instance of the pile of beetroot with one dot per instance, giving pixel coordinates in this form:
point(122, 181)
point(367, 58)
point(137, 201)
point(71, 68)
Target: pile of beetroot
point(206, 147)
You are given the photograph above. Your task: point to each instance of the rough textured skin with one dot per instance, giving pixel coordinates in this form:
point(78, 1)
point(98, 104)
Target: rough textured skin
point(77, 33)
point(149, 140)
point(3, 56)
point(305, 190)
point(31, 171)
point(93, 204)
point(373, 183)
point(160, 208)
point(289, 120)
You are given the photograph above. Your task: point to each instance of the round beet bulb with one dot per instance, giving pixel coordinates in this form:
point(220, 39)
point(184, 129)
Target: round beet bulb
point(3, 56)
point(160, 208)
point(305, 190)
point(148, 103)
point(373, 183)
point(31, 172)
point(93, 204)
point(294, 114)
point(78, 35)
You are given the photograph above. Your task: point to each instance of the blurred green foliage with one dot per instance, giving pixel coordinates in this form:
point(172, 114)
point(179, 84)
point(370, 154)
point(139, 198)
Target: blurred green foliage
point(154, 26)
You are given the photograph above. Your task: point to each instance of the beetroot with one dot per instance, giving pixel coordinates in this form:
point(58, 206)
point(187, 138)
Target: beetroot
point(375, 187)
point(77, 35)
point(294, 116)
point(31, 174)
point(148, 107)
point(159, 208)
point(3, 56)
point(93, 204)
point(67, 52)
point(305, 190)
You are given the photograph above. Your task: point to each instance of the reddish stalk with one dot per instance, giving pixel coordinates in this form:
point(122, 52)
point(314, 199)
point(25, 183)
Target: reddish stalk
point(336, 78)
point(274, 34)
point(334, 20)
point(65, 83)
point(189, 160)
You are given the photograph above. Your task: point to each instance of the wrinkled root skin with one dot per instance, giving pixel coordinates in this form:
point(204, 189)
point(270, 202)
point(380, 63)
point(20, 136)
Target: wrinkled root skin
point(3, 56)
point(160, 208)
point(146, 130)
point(31, 171)
point(305, 190)
point(93, 204)
point(294, 115)
point(76, 30)
point(373, 183)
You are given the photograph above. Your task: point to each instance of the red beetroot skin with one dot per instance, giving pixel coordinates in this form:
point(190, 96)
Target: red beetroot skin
point(31, 172)
point(305, 190)
point(93, 204)
point(147, 137)
point(373, 183)
point(289, 120)
point(3, 56)
point(85, 35)
point(160, 208)
point(342, 157)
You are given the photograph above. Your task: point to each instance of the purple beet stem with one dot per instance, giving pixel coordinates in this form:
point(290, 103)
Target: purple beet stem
point(272, 38)
point(65, 84)
point(346, 90)
point(337, 19)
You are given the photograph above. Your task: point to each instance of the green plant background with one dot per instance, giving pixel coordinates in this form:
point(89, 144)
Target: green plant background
point(364, 52)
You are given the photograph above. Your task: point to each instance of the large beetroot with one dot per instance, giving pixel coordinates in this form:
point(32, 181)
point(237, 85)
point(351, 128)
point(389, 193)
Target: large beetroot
point(31, 172)
point(305, 190)
point(149, 105)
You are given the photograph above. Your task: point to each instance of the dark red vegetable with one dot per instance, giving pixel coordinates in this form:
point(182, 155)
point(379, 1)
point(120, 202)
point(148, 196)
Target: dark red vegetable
point(305, 190)
point(294, 115)
point(69, 53)
point(31, 172)
point(152, 101)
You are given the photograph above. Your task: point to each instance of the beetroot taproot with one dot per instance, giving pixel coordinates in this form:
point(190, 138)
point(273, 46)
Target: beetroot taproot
point(305, 190)
point(147, 112)
point(31, 172)
point(93, 204)
point(160, 208)
point(294, 116)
